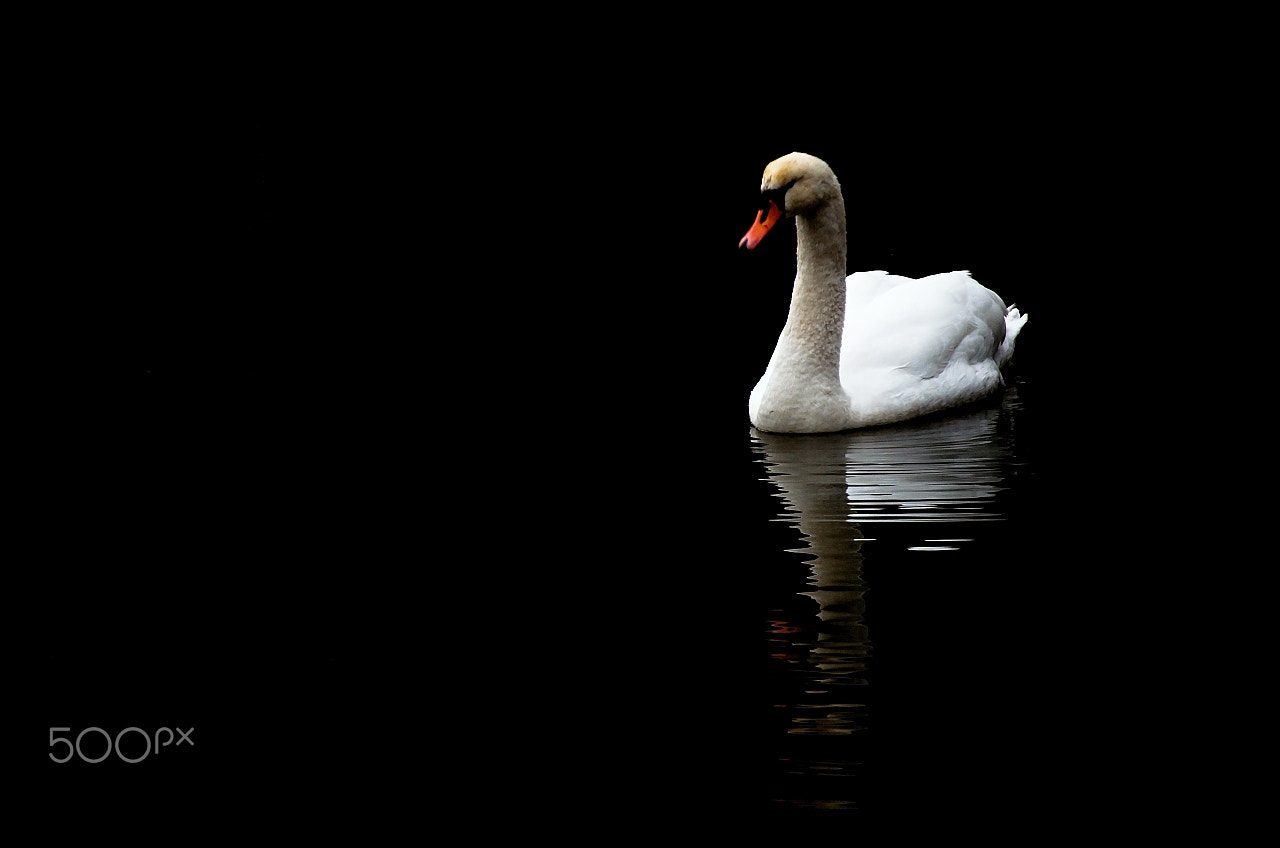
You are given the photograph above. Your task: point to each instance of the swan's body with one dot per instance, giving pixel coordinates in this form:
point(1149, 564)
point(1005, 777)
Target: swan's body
point(870, 348)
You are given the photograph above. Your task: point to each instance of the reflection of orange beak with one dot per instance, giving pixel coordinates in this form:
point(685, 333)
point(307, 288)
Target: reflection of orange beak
point(761, 226)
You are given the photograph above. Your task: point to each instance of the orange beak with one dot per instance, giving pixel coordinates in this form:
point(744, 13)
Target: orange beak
point(765, 220)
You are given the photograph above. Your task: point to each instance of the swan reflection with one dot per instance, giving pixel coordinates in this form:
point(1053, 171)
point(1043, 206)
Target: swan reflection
point(949, 469)
point(835, 489)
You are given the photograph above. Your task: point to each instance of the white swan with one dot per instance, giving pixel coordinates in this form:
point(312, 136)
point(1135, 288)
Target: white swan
point(871, 348)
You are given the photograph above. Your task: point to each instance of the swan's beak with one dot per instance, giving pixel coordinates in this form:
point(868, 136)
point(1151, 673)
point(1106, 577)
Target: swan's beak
point(765, 220)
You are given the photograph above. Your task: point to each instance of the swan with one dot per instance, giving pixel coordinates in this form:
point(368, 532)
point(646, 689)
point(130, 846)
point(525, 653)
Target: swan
point(871, 348)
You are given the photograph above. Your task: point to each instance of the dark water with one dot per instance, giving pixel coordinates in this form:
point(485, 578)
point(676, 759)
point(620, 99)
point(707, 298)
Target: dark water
point(917, 626)
point(918, 499)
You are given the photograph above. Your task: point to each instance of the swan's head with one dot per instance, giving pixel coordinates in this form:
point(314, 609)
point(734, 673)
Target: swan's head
point(795, 184)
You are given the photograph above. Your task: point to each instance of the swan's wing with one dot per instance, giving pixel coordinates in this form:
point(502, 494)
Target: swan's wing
point(919, 346)
point(916, 328)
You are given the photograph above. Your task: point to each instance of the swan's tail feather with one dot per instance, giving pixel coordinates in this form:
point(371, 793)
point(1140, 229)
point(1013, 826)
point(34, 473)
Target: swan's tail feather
point(1013, 321)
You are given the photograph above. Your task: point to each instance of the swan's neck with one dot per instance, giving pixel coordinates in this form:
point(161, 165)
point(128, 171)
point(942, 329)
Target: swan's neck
point(815, 323)
point(800, 391)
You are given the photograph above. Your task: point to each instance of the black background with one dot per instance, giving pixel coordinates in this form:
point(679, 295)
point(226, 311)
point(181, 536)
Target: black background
point(357, 356)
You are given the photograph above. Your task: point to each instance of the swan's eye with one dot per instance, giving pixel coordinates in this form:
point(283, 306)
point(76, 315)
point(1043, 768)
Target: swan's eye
point(777, 195)
point(773, 195)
